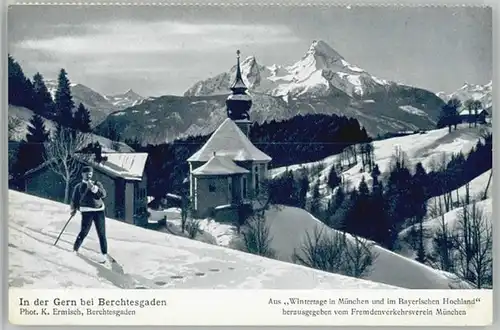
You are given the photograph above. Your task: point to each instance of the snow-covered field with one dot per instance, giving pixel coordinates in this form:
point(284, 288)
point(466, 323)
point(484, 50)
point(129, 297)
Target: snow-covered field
point(148, 259)
point(428, 148)
point(288, 227)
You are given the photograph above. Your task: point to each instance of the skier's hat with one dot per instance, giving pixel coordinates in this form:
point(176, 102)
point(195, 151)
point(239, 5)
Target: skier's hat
point(87, 169)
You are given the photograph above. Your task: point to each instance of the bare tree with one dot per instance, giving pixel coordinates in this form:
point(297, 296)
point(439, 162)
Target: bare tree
point(474, 244)
point(257, 237)
point(358, 256)
point(334, 252)
point(61, 155)
point(14, 127)
point(442, 243)
point(485, 195)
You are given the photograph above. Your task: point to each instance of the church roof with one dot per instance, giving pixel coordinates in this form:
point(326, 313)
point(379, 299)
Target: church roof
point(230, 141)
point(219, 165)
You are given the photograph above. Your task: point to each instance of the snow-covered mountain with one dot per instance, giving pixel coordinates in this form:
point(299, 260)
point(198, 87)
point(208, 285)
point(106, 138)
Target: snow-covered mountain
point(99, 106)
point(468, 91)
point(319, 73)
point(125, 100)
point(321, 82)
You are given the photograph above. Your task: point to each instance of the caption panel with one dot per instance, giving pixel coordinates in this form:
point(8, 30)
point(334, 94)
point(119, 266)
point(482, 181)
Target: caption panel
point(250, 307)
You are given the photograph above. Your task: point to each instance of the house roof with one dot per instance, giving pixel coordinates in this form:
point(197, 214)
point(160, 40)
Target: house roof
point(129, 166)
point(219, 165)
point(230, 141)
point(465, 112)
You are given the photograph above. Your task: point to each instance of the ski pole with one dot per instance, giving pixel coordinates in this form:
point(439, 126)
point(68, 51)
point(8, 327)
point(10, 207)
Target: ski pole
point(71, 217)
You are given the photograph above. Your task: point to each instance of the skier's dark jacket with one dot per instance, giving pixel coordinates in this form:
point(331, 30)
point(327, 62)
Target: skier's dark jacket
point(84, 199)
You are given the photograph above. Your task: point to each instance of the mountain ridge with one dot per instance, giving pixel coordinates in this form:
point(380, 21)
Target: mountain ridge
point(479, 92)
point(322, 81)
point(99, 105)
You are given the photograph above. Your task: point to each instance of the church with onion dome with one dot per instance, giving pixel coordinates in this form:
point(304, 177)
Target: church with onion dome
point(228, 169)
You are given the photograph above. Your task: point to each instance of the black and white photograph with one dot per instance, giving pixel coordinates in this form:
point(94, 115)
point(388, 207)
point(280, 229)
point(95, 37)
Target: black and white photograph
point(250, 147)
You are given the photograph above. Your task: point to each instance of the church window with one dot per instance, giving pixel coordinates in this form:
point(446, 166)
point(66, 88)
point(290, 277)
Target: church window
point(211, 187)
point(244, 191)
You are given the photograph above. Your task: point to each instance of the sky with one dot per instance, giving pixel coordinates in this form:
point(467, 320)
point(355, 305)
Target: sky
point(165, 50)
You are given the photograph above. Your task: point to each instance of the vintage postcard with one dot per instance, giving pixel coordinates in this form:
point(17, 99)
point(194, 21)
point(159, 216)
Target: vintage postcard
point(250, 165)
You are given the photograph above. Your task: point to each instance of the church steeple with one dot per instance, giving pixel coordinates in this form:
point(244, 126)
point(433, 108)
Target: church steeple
point(238, 86)
point(238, 104)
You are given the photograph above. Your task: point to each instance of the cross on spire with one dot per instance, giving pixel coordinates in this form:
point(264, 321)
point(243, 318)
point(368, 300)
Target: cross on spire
point(238, 53)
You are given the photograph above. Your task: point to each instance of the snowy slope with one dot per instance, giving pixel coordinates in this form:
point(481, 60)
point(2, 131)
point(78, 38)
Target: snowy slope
point(428, 148)
point(477, 188)
point(25, 115)
point(288, 227)
point(148, 259)
point(431, 226)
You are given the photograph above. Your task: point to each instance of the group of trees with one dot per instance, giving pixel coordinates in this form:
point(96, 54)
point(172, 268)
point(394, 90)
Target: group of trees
point(465, 248)
point(34, 95)
point(450, 113)
point(40, 144)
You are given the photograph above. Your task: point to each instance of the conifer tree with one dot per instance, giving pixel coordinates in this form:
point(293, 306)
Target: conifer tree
point(303, 189)
point(82, 119)
point(333, 178)
point(419, 202)
point(20, 88)
point(64, 101)
point(44, 104)
point(398, 193)
point(315, 207)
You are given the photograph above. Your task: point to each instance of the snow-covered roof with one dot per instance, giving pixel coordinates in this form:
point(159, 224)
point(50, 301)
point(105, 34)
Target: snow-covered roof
point(466, 112)
point(129, 166)
point(230, 141)
point(126, 165)
point(219, 165)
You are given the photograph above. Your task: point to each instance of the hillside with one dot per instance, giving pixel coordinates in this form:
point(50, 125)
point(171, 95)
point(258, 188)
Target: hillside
point(25, 115)
point(428, 148)
point(148, 259)
point(481, 226)
point(476, 187)
point(322, 81)
point(288, 228)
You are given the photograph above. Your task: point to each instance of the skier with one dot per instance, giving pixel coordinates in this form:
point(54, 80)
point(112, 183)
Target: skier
point(87, 198)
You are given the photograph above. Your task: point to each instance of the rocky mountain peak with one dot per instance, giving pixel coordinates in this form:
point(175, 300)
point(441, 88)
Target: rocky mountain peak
point(322, 49)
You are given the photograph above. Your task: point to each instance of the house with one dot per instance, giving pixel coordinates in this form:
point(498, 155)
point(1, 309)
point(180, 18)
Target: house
point(122, 175)
point(467, 116)
point(228, 169)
